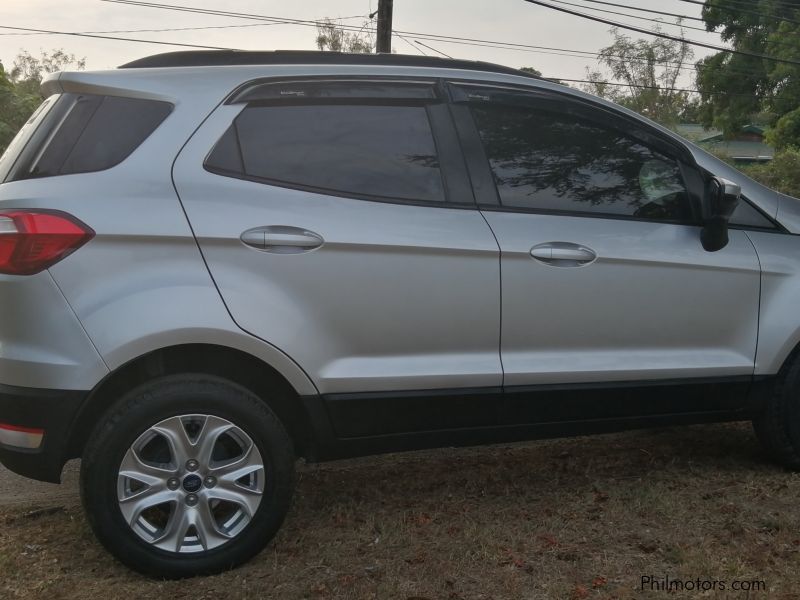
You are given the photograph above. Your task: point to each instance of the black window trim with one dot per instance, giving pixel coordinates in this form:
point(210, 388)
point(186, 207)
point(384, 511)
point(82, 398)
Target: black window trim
point(774, 227)
point(453, 171)
point(480, 172)
point(486, 192)
point(251, 91)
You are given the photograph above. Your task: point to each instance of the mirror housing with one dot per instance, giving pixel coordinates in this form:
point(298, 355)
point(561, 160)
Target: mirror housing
point(722, 198)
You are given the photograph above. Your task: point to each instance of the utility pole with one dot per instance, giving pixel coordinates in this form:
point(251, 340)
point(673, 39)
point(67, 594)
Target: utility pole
point(384, 41)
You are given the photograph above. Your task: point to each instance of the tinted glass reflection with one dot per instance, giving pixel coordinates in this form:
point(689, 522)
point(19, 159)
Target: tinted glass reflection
point(548, 161)
point(385, 151)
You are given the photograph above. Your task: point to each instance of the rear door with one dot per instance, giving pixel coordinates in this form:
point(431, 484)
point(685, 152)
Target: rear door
point(338, 222)
point(604, 278)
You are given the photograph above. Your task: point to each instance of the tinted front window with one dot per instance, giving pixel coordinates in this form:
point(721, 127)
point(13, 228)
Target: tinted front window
point(555, 162)
point(374, 151)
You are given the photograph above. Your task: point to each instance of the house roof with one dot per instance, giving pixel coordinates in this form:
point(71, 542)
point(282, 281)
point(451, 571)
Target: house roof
point(716, 136)
point(695, 131)
point(744, 150)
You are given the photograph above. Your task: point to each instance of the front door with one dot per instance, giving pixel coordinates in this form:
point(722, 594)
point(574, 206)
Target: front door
point(604, 278)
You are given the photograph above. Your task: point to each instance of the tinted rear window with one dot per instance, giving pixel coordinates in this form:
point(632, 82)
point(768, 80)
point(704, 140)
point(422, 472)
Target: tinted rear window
point(358, 150)
point(86, 132)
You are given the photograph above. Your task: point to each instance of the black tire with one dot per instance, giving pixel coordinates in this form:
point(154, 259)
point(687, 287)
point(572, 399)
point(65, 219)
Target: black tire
point(150, 404)
point(778, 427)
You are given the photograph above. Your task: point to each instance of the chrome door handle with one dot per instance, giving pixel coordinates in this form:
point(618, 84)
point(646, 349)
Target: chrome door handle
point(299, 240)
point(563, 254)
point(282, 239)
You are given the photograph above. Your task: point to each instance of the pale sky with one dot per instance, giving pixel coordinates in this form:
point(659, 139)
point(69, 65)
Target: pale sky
point(510, 21)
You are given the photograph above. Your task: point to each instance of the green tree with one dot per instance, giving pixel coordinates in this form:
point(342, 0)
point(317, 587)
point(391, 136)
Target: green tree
point(334, 38)
point(650, 70)
point(8, 110)
point(782, 173)
point(735, 87)
point(19, 88)
point(29, 70)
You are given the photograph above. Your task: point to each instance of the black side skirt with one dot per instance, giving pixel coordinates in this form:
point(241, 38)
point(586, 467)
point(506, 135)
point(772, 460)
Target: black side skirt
point(346, 425)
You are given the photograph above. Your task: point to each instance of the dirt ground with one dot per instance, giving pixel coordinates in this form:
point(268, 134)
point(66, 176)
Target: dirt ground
point(564, 519)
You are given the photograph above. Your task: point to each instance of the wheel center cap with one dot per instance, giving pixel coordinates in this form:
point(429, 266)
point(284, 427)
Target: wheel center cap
point(192, 483)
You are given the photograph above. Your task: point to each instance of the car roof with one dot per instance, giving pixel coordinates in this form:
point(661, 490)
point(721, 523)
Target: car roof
point(215, 58)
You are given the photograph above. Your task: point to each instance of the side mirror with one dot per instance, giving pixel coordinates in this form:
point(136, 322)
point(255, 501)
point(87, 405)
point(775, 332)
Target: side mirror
point(721, 200)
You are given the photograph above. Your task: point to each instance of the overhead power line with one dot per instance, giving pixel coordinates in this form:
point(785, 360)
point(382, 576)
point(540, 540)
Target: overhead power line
point(566, 52)
point(239, 15)
point(407, 41)
point(416, 34)
point(434, 49)
point(792, 43)
point(108, 37)
point(743, 3)
point(437, 37)
point(167, 29)
point(429, 37)
point(404, 39)
point(660, 34)
point(622, 14)
point(741, 11)
point(310, 23)
point(278, 20)
point(572, 53)
point(648, 10)
point(171, 29)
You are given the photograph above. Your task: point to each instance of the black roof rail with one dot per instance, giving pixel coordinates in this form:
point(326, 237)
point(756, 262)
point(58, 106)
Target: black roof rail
point(208, 58)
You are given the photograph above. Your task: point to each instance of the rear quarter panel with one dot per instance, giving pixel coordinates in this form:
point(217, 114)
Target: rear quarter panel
point(141, 283)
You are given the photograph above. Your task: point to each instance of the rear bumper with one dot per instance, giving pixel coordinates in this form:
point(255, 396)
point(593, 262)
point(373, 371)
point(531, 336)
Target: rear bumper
point(34, 429)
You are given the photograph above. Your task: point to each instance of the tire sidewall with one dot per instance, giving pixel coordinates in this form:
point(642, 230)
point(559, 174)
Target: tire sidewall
point(161, 399)
point(790, 406)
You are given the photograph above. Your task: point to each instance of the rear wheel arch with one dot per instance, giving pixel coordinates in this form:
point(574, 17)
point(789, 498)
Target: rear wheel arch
point(242, 368)
point(187, 474)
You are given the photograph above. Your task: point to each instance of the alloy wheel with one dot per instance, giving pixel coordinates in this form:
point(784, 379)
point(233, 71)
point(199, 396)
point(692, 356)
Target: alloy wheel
point(190, 483)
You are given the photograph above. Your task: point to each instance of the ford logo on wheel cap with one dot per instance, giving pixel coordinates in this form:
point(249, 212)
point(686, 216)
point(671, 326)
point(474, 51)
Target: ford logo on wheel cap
point(192, 483)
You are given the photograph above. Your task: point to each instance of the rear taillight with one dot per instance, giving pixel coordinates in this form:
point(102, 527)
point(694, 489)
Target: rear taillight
point(33, 240)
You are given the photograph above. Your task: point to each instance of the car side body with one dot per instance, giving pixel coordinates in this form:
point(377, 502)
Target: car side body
point(444, 315)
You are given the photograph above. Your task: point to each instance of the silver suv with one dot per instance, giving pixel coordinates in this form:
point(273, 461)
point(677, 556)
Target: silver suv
point(213, 263)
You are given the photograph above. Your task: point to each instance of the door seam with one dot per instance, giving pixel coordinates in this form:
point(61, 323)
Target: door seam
point(760, 293)
point(500, 316)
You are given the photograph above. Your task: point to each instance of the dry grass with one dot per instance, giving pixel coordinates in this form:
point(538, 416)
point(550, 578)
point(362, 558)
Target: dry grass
point(564, 519)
